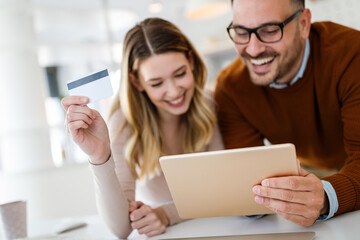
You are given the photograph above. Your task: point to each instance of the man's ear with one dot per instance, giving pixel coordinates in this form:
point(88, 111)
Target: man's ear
point(136, 82)
point(305, 23)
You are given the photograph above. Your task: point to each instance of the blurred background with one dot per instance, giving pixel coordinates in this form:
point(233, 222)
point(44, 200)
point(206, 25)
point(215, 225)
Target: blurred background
point(46, 43)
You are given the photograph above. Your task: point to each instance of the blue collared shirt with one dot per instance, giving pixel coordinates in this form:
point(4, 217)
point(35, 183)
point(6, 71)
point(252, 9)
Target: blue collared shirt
point(328, 188)
point(301, 71)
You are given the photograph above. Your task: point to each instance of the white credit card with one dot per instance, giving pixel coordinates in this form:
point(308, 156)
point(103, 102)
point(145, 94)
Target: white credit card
point(95, 86)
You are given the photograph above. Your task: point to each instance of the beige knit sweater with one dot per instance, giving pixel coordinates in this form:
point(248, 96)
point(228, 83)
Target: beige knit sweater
point(115, 186)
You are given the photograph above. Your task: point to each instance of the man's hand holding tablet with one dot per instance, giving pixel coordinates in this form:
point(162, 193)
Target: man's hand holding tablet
point(289, 197)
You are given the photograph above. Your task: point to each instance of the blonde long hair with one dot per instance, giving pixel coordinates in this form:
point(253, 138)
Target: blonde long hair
point(149, 37)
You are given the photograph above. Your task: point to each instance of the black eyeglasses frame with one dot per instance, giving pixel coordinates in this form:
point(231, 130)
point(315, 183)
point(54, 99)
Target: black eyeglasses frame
point(255, 30)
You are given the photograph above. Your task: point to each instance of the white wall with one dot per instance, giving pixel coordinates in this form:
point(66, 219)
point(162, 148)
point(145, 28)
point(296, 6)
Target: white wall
point(345, 12)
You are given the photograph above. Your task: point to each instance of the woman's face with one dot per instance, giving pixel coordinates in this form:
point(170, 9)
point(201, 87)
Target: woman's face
point(169, 82)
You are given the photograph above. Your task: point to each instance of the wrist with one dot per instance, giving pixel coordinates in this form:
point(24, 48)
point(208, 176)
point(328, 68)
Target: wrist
point(325, 208)
point(100, 160)
point(162, 216)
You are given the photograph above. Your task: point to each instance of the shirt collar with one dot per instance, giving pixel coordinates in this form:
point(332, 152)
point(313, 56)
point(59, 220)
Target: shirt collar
point(301, 71)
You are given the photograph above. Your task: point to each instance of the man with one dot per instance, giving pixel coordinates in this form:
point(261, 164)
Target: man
point(295, 82)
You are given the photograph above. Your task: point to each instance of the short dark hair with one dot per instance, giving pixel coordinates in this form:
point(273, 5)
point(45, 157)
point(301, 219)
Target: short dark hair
point(298, 4)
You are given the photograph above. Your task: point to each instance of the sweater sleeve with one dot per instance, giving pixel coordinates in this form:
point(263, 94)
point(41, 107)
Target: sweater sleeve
point(114, 183)
point(171, 213)
point(236, 131)
point(347, 182)
point(112, 204)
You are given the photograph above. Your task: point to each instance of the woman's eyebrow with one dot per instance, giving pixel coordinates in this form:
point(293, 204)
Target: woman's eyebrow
point(180, 68)
point(159, 78)
point(153, 79)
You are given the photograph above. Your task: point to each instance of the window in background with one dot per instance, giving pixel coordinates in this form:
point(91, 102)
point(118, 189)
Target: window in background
point(62, 147)
point(77, 38)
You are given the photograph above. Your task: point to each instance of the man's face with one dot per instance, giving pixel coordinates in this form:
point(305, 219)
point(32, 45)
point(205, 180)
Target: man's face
point(269, 62)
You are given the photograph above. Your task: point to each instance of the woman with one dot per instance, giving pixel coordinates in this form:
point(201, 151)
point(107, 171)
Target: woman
point(160, 109)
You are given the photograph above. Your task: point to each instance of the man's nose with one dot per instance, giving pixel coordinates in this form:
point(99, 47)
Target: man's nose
point(255, 46)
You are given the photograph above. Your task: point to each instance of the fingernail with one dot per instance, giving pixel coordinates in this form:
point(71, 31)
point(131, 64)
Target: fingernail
point(259, 200)
point(83, 99)
point(131, 217)
point(256, 190)
point(265, 183)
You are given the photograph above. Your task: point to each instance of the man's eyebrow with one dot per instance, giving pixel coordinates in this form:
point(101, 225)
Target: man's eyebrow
point(262, 25)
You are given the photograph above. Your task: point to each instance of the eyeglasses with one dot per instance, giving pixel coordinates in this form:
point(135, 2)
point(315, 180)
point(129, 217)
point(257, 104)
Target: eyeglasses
point(267, 33)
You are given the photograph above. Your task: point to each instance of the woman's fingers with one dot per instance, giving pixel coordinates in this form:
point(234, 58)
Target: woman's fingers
point(79, 117)
point(149, 221)
point(73, 127)
point(87, 128)
point(135, 205)
point(140, 212)
point(149, 224)
point(73, 100)
point(81, 109)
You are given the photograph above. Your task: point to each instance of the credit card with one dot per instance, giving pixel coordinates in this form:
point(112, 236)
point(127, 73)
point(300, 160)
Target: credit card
point(96, 86)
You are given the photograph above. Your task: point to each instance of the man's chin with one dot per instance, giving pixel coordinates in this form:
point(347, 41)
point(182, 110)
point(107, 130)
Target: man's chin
point(261, 80)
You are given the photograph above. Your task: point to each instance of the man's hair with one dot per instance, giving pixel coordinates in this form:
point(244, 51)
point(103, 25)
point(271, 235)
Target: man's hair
point(298, 4)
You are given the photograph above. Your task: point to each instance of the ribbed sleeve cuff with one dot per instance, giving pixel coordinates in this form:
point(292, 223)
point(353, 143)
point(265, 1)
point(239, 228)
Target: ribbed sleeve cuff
point(171, 213)
point(345, 192)
point(103, 171)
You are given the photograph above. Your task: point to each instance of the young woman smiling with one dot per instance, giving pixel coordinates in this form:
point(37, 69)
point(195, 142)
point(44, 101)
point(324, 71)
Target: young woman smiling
point(160, 109)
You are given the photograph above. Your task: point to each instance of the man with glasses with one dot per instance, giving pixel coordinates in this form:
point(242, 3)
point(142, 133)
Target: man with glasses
point(295, 82)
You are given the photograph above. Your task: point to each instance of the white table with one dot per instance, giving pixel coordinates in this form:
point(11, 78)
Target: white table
point(343, 227)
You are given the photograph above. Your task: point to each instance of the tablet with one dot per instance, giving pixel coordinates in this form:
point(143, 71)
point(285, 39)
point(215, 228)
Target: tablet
point(219, 183)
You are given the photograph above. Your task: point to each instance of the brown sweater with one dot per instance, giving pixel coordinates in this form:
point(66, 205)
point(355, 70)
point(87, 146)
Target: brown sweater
point(320, 113)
